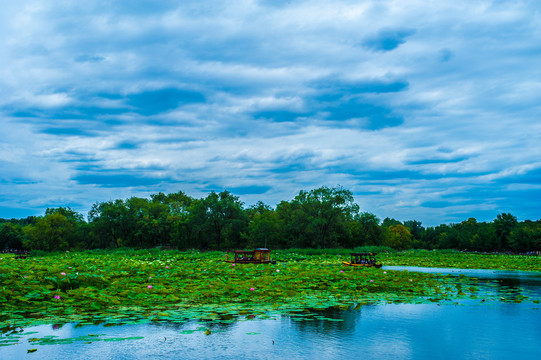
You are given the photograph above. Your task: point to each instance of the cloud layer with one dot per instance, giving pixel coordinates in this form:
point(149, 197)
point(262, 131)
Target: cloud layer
point(427, 111)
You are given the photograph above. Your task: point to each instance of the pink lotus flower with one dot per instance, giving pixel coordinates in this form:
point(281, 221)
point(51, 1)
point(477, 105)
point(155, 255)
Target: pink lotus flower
point(57, 297)
point(63, 274)
point(252, 289)
point(371, 280)
point(385, 272)
point(341, 271)
point(232, 264)
point(150, 286)
point(277, 270)
point(167, 267)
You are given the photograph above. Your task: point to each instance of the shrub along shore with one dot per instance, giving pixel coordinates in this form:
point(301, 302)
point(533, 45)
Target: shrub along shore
point(134, 286)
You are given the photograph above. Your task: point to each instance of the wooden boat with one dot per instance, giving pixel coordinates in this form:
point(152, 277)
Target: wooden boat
point(19, 254)
point(257, 256)
point(363, 259)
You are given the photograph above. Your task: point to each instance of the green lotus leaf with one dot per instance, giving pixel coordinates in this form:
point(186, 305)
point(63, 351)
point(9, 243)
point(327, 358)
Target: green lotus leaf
point(113, 285)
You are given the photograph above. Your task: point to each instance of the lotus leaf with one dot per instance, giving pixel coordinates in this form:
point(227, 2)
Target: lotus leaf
point(112, 287)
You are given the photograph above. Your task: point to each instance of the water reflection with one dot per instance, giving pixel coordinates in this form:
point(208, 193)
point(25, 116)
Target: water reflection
point(503, 283)
point(321, 322)
point(401, 331)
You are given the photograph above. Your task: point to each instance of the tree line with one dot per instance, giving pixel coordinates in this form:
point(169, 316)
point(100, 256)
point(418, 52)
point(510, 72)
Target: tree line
point(319, 218)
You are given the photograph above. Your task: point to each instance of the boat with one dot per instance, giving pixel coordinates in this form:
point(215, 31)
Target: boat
point(363, 259)
point(257, 256)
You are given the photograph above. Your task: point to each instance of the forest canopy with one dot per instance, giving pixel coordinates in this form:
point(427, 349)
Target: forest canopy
point(319, 218)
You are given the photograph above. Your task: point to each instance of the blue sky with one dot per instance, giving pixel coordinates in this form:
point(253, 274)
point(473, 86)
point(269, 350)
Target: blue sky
point(425, 110)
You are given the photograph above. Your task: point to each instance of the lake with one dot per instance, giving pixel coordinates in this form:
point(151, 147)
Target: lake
point(468, 329)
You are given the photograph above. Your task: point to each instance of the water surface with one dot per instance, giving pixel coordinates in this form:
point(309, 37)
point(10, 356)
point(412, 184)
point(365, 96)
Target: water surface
point(462, 330)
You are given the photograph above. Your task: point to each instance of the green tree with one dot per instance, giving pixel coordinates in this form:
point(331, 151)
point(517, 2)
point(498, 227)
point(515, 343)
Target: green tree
point(265, 228)
point(292, 220)
point(467, 233)
point(81, 237)
point(366, 230)
point(177, 221)
point(11, 236)
point(398, 237)
point(485, 238)
point(525, 237)
point(433, 235)
point(416, 228)
point(390, 221)
point(57, 230)
point(504, 224)
point(320, 217)
point(69, 213)
point(149, 220)
point(221, 217)
point(111, 224)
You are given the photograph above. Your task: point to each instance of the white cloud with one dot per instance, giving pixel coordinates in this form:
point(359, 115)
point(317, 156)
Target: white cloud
point(467, 119)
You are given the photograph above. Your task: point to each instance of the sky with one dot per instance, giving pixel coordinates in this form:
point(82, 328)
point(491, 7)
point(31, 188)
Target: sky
point(424, 110)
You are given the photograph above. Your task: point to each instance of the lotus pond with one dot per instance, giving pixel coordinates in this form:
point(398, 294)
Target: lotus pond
point(160, 295)
point(141, 286)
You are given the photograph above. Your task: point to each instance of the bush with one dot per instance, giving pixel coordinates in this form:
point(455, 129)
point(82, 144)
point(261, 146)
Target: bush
point(374, 249)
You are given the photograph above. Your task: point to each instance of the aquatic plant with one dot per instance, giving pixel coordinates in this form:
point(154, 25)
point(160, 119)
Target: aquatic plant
point(132, 286)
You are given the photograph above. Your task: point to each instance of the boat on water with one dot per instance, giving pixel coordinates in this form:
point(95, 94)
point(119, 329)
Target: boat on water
point(257, 256)
point(363, 259)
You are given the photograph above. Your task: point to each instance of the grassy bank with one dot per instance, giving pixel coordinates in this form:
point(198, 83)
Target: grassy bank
point(423, 258)
point(457, 259)
point(133, 286)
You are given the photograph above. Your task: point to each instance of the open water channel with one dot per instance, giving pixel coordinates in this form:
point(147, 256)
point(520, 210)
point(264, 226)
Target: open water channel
point(470, 329)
